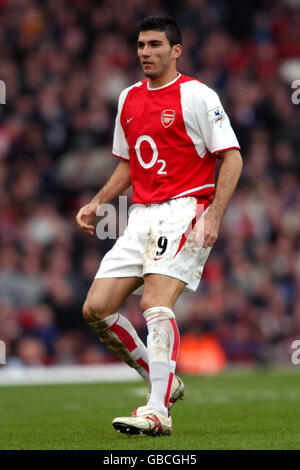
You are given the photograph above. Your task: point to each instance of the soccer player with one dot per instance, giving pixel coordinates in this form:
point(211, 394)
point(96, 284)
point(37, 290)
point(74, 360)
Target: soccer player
point(169, 131)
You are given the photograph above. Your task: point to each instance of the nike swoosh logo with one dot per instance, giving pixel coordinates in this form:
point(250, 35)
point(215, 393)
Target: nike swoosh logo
point(156, 259)
point(128, 120)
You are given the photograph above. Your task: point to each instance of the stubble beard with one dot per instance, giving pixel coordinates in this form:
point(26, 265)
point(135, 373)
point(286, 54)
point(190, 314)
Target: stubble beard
point(158, 72)
point(151, 73)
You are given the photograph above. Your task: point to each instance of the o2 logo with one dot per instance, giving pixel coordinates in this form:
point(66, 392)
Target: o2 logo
point(147, 138)
point(296, 354)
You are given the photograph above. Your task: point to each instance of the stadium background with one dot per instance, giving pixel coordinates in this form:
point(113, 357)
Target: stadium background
point(64, 64)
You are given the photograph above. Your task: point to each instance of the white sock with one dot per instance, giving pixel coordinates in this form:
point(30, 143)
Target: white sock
point(120, 337)
point(163, 346)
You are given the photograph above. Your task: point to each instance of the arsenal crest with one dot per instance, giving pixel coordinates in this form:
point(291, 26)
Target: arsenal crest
point(167, 117)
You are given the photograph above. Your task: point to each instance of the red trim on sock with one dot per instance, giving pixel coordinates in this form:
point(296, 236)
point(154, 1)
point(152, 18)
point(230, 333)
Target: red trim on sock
point(115, 321)
point(173, 358)
point(124, 337)
point(176, 340)
point(142, 363)
point(167, 397)
point(156, 316)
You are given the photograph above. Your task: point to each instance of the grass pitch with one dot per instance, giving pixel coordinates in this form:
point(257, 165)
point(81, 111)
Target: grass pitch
point(253, 410)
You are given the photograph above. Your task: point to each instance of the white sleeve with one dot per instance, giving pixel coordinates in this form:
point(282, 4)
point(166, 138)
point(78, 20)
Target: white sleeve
point(120, 145)
point(213, 123)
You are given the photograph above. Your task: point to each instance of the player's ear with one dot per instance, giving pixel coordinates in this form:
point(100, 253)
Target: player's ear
point(176, 51)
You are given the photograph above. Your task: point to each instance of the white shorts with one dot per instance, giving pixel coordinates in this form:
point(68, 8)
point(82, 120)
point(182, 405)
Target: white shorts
point(159, 239)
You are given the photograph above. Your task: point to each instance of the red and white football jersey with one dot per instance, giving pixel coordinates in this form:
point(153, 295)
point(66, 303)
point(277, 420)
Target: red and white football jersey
point(171, 136)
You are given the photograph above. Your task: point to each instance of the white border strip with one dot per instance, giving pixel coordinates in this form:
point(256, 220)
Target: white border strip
point(66, 374)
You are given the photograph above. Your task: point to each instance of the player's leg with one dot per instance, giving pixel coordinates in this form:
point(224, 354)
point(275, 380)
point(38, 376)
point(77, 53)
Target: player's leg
point(100, 311)
point(106, 295)
point(159, 296)
point(173, 263)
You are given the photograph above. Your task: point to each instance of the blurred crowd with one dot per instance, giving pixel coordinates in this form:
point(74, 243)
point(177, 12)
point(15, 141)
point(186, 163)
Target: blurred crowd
point(64, 63)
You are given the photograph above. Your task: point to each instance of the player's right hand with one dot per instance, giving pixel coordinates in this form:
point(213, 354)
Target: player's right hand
point(85, 215)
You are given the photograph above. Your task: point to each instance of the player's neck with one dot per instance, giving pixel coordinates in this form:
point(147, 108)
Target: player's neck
point(163, 79)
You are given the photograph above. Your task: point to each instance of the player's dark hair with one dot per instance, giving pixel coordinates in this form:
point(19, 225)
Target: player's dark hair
point(162, 23)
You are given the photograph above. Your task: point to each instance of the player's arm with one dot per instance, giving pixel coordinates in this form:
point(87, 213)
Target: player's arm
point(229, 174)
point(117, 183)
point(220, 140)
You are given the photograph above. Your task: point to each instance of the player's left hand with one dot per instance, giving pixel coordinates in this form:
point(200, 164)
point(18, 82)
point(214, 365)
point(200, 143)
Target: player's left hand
point(210, 229)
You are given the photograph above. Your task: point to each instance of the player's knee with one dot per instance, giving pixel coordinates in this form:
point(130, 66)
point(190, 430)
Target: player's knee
point(88, 313)
point(93, 311)
point(146, 303)
point(149, 301)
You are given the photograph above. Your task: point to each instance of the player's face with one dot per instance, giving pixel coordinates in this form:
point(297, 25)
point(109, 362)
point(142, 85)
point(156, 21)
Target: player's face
point(156, 55)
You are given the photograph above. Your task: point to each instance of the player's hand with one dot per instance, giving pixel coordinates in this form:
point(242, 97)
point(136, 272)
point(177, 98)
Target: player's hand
point(85, 215)
point(211, 228)
point(207, 229)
